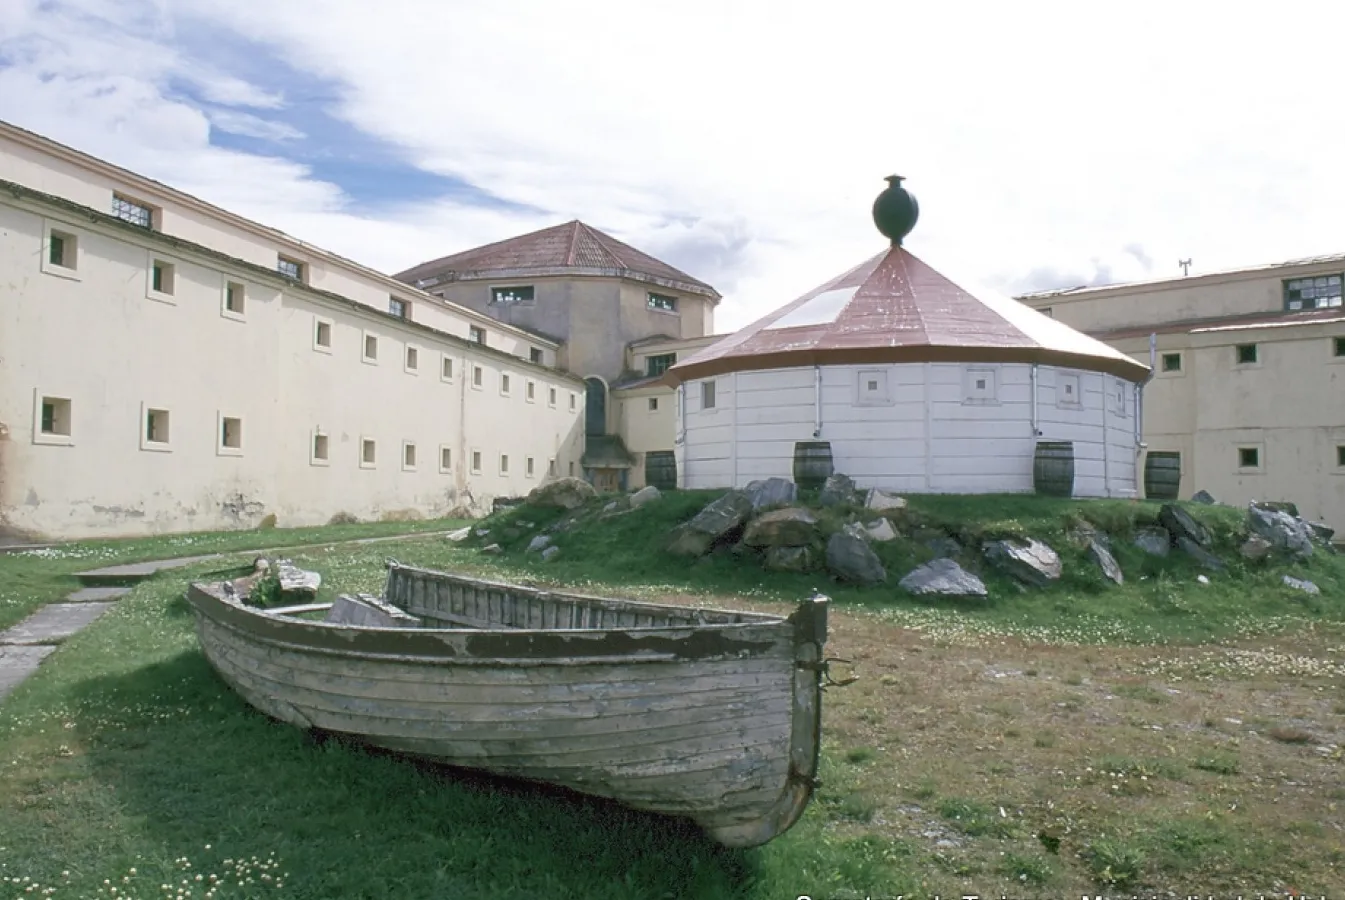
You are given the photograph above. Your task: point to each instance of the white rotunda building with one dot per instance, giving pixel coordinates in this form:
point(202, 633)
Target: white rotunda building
point(913, 384)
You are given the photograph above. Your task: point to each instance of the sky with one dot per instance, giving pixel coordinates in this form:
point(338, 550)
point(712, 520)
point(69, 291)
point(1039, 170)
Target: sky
point(1049, 144)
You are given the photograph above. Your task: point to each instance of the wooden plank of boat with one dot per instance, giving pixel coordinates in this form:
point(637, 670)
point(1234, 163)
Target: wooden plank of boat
point(705, 713)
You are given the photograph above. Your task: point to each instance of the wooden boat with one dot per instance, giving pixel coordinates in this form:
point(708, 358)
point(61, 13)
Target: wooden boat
point(708, 714)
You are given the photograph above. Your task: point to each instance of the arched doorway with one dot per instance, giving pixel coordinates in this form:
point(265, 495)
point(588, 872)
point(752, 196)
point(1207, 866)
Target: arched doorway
point(595, 417)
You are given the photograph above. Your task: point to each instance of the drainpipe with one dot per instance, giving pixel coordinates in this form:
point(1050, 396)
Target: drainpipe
point(817, 401)
point(1036, 432)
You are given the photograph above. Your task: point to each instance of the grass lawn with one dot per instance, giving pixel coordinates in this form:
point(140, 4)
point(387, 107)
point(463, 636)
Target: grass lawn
point(1166, 735)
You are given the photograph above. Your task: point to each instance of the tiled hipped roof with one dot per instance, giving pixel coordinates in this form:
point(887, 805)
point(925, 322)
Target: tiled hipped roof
point(572, 246)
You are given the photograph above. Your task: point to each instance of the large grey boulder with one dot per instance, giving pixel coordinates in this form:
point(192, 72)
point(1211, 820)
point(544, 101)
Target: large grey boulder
point(566, 493)
point(1323, 531)
point(646, 494)
point(789, 559)
point(852, 559)
point(1203, 558)
point(1030, 561)
point(1300, 584)
point(880, 500)
point(838, 489)
point(944, 577)
point(788, 527)
point(550, 553)
point(1284, 531)
point(539, 543)
point(695, 538)
point(1098, 553)
point(1180, 524)
point(771, 492)
point(1154, 541)
point(1204, 497)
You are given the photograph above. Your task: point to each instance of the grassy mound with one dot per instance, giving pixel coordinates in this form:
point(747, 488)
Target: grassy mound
point(1162, 597)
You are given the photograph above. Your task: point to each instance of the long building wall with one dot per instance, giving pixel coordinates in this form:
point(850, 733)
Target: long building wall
point(128, 410)
point(938, 428)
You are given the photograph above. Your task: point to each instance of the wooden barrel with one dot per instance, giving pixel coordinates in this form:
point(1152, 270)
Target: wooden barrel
point(1053, 468)
point(1162, 474)
point(812, 463)
point(660, 469)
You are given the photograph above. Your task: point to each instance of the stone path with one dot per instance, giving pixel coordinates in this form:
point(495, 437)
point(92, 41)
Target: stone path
point(24, 646)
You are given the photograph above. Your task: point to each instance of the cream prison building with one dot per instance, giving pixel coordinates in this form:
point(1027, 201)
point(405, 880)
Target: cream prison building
point(167, 366)
point(1249, 376)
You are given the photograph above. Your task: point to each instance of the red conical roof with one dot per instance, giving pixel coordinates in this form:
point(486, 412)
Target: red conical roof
point(894, 308)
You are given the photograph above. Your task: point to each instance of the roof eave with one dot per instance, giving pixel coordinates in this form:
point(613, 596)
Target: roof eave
point(687, 287)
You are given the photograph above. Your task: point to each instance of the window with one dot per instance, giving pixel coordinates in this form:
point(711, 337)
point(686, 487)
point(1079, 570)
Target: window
point(1047, 312)
point(412, 359)
point(530, 393)
point(980, 386)
point(368, 453)
point(1118, 395)
point(657, 365)
point(408, 456)
point(1067, 390)
point(707, 395)
point(1339, 348)
point(62, 254)
point(529, 467)
point(476, 376)
point(322, 335)
point(551, 467)
point(319, 454)
point(476, 462)
point(653, 404)
point(370, 348)
point(1249, 457)
point(871, 387)
point(1246, 354)
point(504, 383)
point(662, 302)
point(399, 308)
point(535, 355)
point(445, 458)
point(235, 300)
point(571, 468)
point(522, 294)
point(551, 397)
point(53, 420)
point(57, 253)
point(476, 335)
point(154, 435)
point(128, 210)
point(1172, 362)
point(504, 463)
point(230, 434)
point(161, 277)
point(290, 268)
point(446, 368)
point(1340, 456)
point(1316, 292)
point(572, 401)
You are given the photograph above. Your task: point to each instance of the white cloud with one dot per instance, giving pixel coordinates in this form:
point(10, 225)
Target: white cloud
point(746, 141)
point(249, 125)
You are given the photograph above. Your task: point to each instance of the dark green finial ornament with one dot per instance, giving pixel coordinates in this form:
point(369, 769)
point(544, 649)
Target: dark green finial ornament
point(895, 211)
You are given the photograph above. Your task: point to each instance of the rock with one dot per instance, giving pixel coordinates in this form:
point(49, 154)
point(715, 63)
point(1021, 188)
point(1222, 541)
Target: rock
point(1203, 497)
point(854, 529)
point(838, 489)
point(1323, 531)
point(1300, 584)
point(695, 538)
point(771, 492)
point(1203, 558)
point(945, 577)
point(609, 508)
point(882, 500)
point(646, 494)
point(1099, 554)
point(460, 535)
point(1255, 548)
point(1031, 562)
point(1283, 506)
point(1282, 530)
point(945, 546)
point(789, 559)
point(788, 527)
point(1202, 579)
point(1084, 534)
point(550, 553)
point(851, 558)
point(482, 532)
point(294, 580)
point(566, 493)
point(1179, 523)
point(541, 542)
point(881, 531)
point(492, 548)
point(1154, 541)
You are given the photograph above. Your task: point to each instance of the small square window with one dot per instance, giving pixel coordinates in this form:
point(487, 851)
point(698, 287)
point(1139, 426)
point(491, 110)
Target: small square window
point(322, 335)
point(291, 268)
point(1249, 457)
point(230, 433)
point(319, 454)
point(1339, 346)
point(551, 397)
point(155, 434)
point(235, 300)
point(162, 278)
point(408, 456)
point(980, 386)
point(476, 335)
point(412, 359)
point(707, 395)
point(1340, 456)
point(62, 253)
point(370, 348)
point(653, 404)
point(871, 387)
point(476, 462)
point(662, 302)
point(504, 463)
point(445, 458)
point(551, 467)
point(529, 467)
point(53, 421)
point(530, 393)
point(129, 210)
point(446, 368)
point(368, 453)
point(1172, 362)
point(1246, 354)
point(535, 355)
point(399, 308)
point(477, 376)
point(1067, 390)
